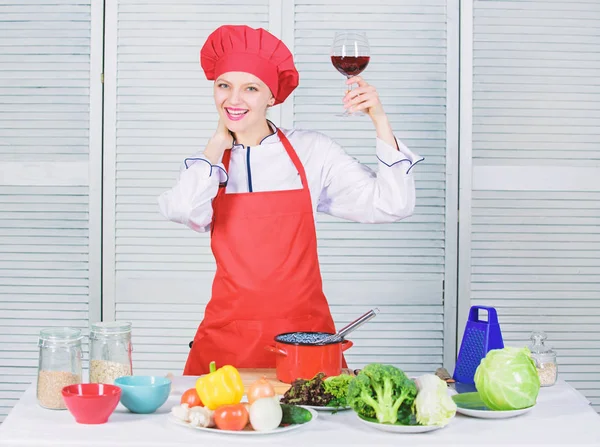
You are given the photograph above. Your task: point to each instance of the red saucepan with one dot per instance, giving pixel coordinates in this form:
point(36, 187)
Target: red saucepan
point(301, 356)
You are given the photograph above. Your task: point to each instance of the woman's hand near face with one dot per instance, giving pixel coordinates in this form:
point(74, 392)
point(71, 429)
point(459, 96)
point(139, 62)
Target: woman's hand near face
point(365, 98)
point(218, 143)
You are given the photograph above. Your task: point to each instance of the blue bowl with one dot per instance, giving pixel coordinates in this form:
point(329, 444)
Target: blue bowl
point(143, 394)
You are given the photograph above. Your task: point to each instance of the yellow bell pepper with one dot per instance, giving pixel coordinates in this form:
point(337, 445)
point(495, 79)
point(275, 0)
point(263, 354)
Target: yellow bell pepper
point(220, 387)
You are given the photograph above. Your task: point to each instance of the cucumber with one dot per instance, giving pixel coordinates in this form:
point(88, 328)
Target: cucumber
point(293, 414)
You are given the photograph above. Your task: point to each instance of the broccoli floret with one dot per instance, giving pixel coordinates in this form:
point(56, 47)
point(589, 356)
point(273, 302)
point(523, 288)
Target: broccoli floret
point(383, 392)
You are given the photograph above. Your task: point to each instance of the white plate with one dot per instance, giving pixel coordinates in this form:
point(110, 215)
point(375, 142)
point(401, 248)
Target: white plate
point(401, 428)
point(487, 414)
point(470, 404)
point(246, 431)
point(330, 409)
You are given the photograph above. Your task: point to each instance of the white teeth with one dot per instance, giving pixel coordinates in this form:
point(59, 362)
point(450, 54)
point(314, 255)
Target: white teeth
point(236, 113)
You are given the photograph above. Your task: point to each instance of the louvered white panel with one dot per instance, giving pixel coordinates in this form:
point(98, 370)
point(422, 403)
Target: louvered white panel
point(44, 275)
point(158, 274)
point(535, 85)
point(398, 267)
point(535, 244)
point(46, 253)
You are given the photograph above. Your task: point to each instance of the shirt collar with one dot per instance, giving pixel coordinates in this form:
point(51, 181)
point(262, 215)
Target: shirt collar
point(269, 139)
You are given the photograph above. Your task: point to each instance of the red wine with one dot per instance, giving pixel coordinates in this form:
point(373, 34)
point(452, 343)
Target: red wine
point(350, 65)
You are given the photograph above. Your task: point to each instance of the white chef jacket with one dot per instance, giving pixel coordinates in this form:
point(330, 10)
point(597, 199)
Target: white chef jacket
point(339, 185)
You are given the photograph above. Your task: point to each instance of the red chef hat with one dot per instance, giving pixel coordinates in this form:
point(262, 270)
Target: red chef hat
point(255, 51)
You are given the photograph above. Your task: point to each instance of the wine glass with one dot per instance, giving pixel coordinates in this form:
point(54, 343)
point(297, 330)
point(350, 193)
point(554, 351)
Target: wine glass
point(350, 55)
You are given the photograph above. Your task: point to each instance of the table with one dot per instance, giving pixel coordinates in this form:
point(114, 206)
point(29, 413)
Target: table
point(561, 417)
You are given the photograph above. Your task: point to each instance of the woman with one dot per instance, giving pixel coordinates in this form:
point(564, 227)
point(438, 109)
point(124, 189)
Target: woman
point(257, 189)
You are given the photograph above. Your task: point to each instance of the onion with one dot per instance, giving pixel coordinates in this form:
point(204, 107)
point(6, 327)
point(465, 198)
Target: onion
point(259, 389)
point(265, 414)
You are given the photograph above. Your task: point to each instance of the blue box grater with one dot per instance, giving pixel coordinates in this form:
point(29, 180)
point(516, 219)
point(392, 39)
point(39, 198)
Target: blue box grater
point(479, 338)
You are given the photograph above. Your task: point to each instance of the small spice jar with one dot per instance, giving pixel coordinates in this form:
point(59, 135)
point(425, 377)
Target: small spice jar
point(59, 365)
point(110, 351)
point(544, 358)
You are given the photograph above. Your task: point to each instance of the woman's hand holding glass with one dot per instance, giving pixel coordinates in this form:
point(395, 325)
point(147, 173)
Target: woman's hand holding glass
point(364, 98)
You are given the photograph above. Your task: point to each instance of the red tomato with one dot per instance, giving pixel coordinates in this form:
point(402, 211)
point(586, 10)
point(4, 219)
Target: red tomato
point(191, 398)
point(231, 417)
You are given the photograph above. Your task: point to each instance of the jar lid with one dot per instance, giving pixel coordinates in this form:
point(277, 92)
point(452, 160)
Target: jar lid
point(64, 335)
point(107, 328)
point(537, 346)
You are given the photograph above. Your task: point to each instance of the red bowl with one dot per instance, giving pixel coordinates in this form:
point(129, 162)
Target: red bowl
point(91, 403)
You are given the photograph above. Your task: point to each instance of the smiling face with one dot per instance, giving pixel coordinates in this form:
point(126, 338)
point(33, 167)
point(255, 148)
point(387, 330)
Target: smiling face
point(242, 100)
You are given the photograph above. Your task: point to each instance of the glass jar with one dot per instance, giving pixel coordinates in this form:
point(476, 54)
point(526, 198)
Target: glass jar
point(110, 351)
point(59, 365)
point(544, 358)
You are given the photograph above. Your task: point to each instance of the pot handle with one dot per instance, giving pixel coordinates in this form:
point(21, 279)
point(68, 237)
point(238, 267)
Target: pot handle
point(276, 350)
point(346, 344)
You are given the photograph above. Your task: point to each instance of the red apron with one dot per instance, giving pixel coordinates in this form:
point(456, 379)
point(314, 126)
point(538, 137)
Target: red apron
point(267, 281)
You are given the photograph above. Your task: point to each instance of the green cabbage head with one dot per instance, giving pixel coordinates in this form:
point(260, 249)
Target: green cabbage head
point(507, 379)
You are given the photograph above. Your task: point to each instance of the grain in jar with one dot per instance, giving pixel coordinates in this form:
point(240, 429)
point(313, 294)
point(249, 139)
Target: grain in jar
point(547, 372)
point(110, 351)
point(50, 385)
point(59, 365)
point(105, 371)
point(544, 358)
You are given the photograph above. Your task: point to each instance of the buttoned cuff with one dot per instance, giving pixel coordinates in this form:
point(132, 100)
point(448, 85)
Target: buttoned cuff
point(390, 156)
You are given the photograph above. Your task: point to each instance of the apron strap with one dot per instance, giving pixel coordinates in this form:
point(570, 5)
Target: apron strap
point(226, 158)
point(292, 154)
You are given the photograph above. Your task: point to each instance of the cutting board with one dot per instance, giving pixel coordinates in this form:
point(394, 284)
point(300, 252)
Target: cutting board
point(250, 375)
